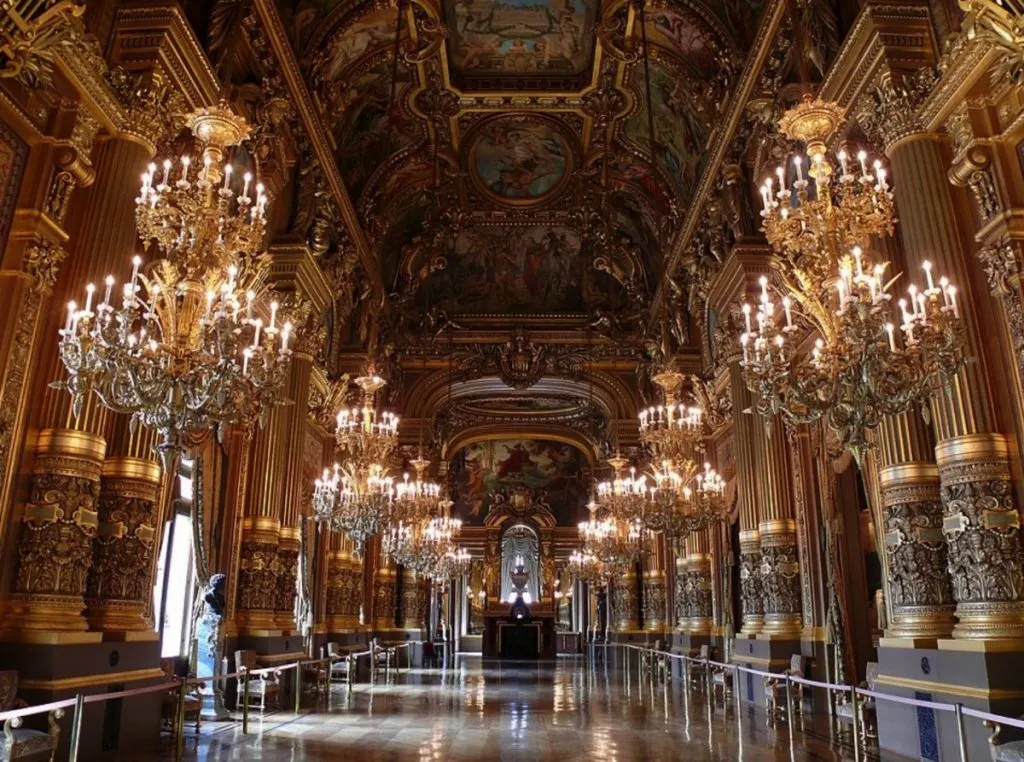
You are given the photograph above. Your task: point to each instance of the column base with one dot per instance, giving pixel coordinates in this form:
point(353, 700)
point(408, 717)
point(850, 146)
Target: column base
point(256, 624)
point(118, 616)
point(781, 627)
point(921, 623)
point(990, 620)
point(47, 613)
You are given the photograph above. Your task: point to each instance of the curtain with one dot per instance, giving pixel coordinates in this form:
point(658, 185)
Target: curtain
point(520, 541)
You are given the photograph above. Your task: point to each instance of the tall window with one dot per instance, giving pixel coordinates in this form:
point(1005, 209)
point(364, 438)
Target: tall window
point(175, 579)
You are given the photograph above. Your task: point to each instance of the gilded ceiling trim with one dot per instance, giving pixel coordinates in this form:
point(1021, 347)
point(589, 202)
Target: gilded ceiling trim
point(767, 32)
point(316, 133)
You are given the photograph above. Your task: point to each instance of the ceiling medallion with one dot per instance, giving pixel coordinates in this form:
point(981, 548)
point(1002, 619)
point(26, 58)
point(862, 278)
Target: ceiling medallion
point(520, 160)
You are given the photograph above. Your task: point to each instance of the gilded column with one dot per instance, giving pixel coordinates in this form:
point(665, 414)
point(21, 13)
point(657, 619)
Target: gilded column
point(980, 518)
point(745, 427)
point(698, 584)
point(780, 563)
point(683, 608)
point(625, 602)
point(344, 586)
point(260, 566)
point(385, 600)
point(414, 601)
point(655, 592)
point(62, 507)
point(120, 582)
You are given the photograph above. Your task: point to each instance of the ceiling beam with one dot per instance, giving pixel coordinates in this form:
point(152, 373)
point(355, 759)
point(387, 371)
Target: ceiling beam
point(762, 47)
point(316, 132)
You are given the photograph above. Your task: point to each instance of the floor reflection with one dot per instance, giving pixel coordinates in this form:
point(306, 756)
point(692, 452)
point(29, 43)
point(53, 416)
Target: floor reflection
point(478, 710)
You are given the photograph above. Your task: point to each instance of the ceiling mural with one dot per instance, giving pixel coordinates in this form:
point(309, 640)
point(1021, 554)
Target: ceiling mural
point(519, 159)
point(540, 268)
point(546, 43)
point(556, 473)
point(302, 18)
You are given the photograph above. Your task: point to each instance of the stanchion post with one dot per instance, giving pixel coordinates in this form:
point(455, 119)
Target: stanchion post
point(736, 692)
point(76, 727)
point(789, 706)
point(855, 714)
point(179, 720)
point(960, 736)
point(245, 699)
point(708, 682)
point(298, 686)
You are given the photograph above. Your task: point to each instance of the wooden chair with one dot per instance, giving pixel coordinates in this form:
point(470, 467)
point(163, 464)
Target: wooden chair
point(21, 743)
point(698, 670)
point(721, 680)
point(867, 717)
point(1003, 750)
point(342, 665)
point(262, 688)
point(775, 688)
point(177, 667)
point(381, 656)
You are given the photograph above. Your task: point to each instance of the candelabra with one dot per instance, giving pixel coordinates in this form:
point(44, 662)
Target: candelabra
point(365, 434)
point(452, 565)
point(615, 542)
point(417, 499)
point(187, 350)
point(858, 368)
point(584, 566)
point(623, 496)
point(672, 431)
point(422, 545)
point(831, 206)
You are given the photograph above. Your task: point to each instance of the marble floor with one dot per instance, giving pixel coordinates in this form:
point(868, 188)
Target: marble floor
point(477, 710)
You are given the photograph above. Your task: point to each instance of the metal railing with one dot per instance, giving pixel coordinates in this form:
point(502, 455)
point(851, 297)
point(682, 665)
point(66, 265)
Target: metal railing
point(856, 694)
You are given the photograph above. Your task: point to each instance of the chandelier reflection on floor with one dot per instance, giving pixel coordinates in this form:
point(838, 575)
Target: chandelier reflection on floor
point(829, 348)
point(194, 343)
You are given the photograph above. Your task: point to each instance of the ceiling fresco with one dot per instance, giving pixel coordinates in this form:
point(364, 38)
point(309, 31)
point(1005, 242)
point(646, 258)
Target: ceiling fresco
point(556, 473)
point(548, 43)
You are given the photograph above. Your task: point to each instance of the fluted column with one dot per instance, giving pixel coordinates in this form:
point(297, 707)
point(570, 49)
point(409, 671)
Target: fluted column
point(260, 565)
point(748, 496)
point(780, 563)
point(980, 517)
point(344, 586)
point(55, 549)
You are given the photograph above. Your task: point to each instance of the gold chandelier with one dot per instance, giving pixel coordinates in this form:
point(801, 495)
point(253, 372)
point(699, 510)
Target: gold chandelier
point(831, 205)
point(366, 435)
point(452, 565)
point(194, 344)
point(583, 565)
point(615, 542)
point(829, 347)
point(672, 431)
point(354, 499)
point(678, 506)
point(623, 496)
point(417, 499)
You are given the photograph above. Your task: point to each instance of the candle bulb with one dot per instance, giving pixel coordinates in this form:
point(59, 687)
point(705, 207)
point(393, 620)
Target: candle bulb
point(247, 177)
point(72, 307)
point(842, 161)
point(273, 315)
point(136, 261)
point(764, 289)
point(207, 161)
point(798, 163)
point(862, 158)
point(185, 163)
point(285, 335)
point(923, 300)
point(944, 283)
point(787, 305)
point(952, 301)
point(781, 174)
point(110, 285)
point(89, 289)
point(913, 300)
point(167, 171)
point(227, 175)
point(249, 296)
point(927, 267)
point(746, 316)
point(246, 354)
point(880, 171)
point(256, 337)
point(889, 328)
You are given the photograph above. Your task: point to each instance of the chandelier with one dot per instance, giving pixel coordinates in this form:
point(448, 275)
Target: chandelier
point(417, 499)
point(672, 431)
point(452, 565)
point(366, 435)
point(829, 348)
point(422, 545)
point(615, 542)
point(584, 566)
point(193, 344)
point(859, 368)
point(832, 205)
point(624, 495)
point(678, 506)
point(354, 499)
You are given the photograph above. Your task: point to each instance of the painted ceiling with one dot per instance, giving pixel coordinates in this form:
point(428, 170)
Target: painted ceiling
point(503, 164)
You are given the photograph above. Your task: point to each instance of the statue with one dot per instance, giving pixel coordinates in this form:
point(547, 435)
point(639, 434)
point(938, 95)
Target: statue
point(210, 638)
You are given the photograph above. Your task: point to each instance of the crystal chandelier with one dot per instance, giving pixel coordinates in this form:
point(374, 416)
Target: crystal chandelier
point(422, 545)
point(354, 499)
point(453, 565)
point(831, 205)
point(859, 368)
point(624, 495)
point(672, 431)
point(677, 507)
point(416, 499)
point(584, 566)
point(194, 344)
point(366, 435)
point(615, 542)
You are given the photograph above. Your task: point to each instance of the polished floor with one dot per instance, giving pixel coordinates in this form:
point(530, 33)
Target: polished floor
point(477, 710)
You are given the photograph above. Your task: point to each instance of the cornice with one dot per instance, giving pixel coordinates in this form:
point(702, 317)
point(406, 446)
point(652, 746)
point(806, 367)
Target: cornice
point(972, 61)
point(148, 34)
point(84, 67)
point(745, 264)
point(293, 263)
point(897, 37)
point(316, 133)
point(771, 21)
